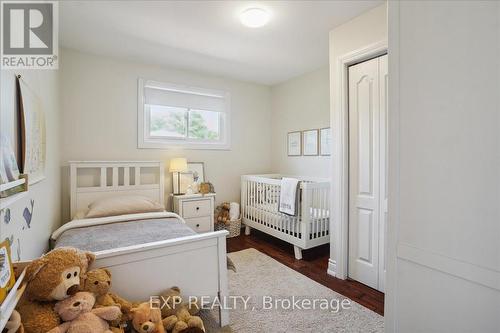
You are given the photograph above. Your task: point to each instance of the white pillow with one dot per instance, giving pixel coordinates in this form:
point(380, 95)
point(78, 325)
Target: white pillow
point(121, 205)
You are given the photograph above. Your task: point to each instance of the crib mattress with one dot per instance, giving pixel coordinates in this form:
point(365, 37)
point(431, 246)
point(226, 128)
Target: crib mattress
point(122, 234)
point(315, 213)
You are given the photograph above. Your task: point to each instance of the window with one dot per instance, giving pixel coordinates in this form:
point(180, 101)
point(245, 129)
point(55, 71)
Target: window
point(179, 116)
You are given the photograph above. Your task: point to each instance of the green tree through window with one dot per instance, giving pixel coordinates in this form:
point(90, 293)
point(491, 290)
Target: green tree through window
point(174, 122)
point(198, 128)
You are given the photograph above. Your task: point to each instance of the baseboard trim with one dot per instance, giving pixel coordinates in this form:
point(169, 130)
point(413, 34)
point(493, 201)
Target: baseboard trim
point(477, 274)
point(332, 268)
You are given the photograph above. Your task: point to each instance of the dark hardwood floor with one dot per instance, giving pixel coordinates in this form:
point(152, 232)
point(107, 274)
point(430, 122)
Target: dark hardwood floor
point(313, 265)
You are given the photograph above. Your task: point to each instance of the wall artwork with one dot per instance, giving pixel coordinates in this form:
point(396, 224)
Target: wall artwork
point(6, 215)
point(195, 173)
point(310, 142)
point(198, 171)
point(9, 170)
point(28, 213)
point(10, 220)
point(33, 131)
point(295, 143)
point(325, 141)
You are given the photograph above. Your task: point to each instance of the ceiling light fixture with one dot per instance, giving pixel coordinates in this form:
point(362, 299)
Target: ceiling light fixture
point(254, 17)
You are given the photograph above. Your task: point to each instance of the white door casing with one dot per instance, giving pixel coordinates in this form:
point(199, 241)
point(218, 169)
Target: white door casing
point(367, 171)
point(384, 123)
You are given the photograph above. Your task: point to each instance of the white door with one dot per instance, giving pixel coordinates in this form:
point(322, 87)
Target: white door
point(367, 172)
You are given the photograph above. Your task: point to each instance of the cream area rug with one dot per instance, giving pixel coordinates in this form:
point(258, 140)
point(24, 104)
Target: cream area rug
point(267, 296)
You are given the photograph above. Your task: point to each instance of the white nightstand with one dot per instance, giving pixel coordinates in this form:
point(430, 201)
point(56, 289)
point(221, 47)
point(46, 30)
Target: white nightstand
point(197, 210)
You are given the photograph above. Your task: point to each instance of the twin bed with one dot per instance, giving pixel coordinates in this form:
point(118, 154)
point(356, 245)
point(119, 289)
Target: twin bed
point(147, 252)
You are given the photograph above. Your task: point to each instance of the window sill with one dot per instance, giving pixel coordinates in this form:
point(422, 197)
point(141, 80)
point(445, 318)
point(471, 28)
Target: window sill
point(183, 145)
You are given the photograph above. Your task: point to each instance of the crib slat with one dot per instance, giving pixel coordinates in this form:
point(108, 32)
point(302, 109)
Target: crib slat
point(313, 213)
point(115, 176)
point(319, 204)
point(126, 176)
point(254, 193)
point(325, 211)
point(103, 177)
point(137, 175)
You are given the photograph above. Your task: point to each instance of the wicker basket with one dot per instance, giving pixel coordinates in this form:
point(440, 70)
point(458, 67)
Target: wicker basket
point(234, 227)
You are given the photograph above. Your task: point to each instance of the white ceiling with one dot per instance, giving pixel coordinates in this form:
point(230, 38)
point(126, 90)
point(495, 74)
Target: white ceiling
point(207, 36)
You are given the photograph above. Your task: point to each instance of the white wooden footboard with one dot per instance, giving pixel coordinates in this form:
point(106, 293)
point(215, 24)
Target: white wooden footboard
point(197, 264)
point(310, 228)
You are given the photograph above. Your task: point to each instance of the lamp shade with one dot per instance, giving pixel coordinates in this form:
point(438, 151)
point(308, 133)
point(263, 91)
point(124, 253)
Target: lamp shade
point(178, 164)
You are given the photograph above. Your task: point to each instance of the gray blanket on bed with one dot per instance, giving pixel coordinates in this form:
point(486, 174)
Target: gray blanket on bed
point(121, 234)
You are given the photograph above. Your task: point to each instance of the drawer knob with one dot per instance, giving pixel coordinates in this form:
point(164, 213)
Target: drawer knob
point(198, 225)
point(197, 208)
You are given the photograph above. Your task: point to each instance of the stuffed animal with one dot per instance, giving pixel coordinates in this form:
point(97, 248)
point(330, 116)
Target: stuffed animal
point(98, 282)
point(223, 213)
point(206, 188)
point(78, 315)
point(178, 315)
point(147, 319)
point(14, 324)
point(49, 279)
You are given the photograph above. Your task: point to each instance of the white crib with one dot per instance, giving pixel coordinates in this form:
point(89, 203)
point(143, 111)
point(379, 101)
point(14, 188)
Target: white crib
point(259, 203)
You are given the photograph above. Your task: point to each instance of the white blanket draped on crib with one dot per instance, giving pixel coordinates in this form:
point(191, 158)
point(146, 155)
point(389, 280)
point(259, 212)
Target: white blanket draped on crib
point(288, 196)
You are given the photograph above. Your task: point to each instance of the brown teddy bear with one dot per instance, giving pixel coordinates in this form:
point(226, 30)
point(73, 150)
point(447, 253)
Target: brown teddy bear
point(78, 315)
point(98, 282)
point(178, 315)
point(147, 319)
point(223, 213)
point(51, 278)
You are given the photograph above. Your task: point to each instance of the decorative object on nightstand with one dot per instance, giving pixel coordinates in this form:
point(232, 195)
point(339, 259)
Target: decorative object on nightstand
point(197, 210)
point(227, 217)
point(177, 166)
point(196, 172)
point(206, 188)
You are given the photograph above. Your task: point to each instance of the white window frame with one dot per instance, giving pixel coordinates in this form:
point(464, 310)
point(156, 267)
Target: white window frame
point(144, 141)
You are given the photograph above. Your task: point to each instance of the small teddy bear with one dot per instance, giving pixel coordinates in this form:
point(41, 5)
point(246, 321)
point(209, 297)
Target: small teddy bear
point(78, 315)
point(147, 319)
point(14, 324)
point(98, 282)
point(223, 213)
point(178, 315)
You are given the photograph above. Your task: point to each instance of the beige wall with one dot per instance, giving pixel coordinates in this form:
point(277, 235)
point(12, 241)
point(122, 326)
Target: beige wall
point(299, 104)
point(99, 105)
point(30, 242)
point(362, 31)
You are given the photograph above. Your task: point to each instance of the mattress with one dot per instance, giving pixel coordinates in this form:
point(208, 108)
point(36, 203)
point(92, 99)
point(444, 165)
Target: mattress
point(100, 237)
point(315, 213)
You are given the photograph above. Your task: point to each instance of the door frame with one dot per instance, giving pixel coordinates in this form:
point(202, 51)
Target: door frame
point(337, 265)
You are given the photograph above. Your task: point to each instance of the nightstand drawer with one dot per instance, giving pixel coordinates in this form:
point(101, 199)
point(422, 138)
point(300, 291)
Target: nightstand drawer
point(200, 224)
point(196, 208)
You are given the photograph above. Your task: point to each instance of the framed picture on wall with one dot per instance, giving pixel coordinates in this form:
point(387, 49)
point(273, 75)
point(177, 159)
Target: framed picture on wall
point(32, 133)
point(295, 143)
point(325, 141)
point(310, 142)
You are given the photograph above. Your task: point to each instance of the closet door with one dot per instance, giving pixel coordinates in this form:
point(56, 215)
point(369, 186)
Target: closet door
point(364, 172)
point(384, 125)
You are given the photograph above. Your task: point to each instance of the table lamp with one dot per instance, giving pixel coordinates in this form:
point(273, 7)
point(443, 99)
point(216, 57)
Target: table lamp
point(177, 165)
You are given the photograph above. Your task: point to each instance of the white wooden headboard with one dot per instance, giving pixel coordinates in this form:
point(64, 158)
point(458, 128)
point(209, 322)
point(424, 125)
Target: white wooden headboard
point(91, 180)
